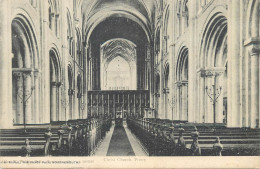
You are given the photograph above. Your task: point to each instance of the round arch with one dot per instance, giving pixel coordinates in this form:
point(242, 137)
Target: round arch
point(25, 71)
point(213, 54)
point(115, 12)
point(182, 83)
point(55, 83)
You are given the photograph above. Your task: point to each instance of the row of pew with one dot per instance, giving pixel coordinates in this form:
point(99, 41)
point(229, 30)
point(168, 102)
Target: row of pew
point(72, 138)
point(174, 138)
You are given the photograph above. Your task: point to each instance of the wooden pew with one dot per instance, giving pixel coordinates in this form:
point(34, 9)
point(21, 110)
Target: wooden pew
point(235, 141)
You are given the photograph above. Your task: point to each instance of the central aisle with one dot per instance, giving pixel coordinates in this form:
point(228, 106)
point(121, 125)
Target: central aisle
point(120, 141)
point(120, 144)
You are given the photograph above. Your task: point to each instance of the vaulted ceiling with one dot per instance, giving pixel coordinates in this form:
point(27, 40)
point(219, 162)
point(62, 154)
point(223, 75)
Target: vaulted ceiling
point(96, 11)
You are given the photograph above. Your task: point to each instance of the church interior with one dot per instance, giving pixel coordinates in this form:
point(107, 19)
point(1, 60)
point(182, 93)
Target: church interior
point(129, 78)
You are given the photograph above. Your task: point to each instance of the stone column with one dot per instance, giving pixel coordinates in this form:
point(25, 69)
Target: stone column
point(184, 90)
point(254, 53)
point(70, 93)
point(53, 99)
point(85, 80)
point(19, 98)
point(201, 99)
point(193, 63)
point(255, 89)
point(178, 102)
point(45, 74)
point(165, 100)
point(53, 22)
point(36, 98)
point(27, 94)
point(58, 101)
point(57, 23)
point(234, 118)
point(5, 66)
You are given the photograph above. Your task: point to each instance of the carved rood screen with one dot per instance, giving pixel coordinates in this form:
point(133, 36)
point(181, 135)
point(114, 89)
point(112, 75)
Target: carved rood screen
point(128, 102)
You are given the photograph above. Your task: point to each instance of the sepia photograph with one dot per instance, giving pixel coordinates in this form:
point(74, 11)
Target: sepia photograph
point(129, 81)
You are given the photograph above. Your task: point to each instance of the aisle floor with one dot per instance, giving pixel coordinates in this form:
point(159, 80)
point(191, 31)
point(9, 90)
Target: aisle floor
point(119, 141)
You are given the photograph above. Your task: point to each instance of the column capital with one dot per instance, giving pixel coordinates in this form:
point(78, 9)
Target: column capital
point(53, 84)
point(58, 84)
point(178, 83)
point(166, 54)
point(147, 60)
point(27, 74)
point(85, 44)
point(211, 72)
point(71, 92)
point(166, 90)
point(253, 45)
point(157, 94)
point(166, 37)
point(17, 74)
point(79, 95)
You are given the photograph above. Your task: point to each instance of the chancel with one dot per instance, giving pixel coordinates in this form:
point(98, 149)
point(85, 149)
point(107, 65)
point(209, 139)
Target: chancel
point(129, 78)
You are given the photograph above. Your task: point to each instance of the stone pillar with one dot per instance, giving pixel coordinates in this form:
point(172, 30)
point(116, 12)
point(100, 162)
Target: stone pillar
point(53, 22)
point(165, 94)
point(254, 52)
point(234, 118)
point(45, 74)
point(178, 102)
point(57, 24)
point(27, 95)
point(201, 99)
point(19, 97)
point(36, 98)
point(71, 94)
point(255, 89)
point(5, 66)
point(53, 99)
point(85, 80)
point(193, 84)
point(184, 90)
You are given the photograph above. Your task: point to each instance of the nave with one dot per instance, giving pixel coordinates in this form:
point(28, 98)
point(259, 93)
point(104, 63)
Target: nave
point(183, 74)
point(137, 137)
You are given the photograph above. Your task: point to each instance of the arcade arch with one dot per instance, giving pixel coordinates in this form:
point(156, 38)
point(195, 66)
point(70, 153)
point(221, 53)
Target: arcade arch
point(25, 86)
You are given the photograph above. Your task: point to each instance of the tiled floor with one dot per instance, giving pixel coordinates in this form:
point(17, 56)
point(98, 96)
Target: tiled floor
point(103, 148)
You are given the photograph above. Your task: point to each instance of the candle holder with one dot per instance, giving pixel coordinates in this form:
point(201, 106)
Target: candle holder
point(172, 103)
point(24, 96)
point(214, 93)
point(82, 107)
